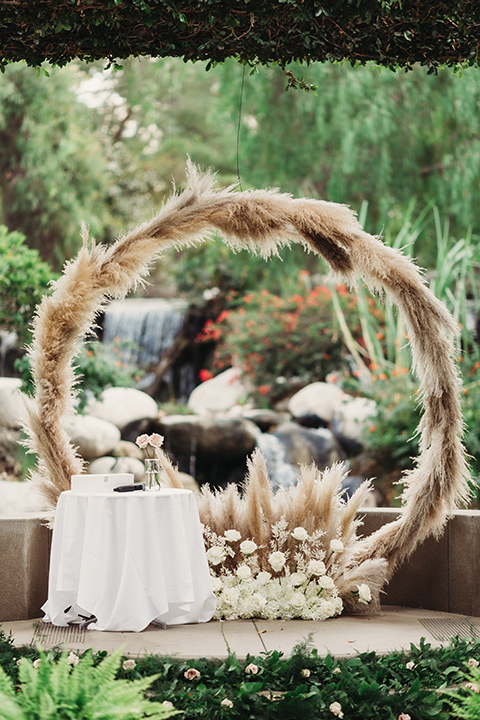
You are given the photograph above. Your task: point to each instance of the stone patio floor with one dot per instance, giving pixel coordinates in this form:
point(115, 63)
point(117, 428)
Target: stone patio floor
point(395, 628)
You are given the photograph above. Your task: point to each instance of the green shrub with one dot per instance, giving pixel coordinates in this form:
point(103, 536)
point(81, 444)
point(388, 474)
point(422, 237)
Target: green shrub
point(100, 366)
point(97, 367)
point(24, 279)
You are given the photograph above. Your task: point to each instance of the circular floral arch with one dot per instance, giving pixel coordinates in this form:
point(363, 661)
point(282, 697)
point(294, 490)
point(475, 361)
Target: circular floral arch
point(261, 221)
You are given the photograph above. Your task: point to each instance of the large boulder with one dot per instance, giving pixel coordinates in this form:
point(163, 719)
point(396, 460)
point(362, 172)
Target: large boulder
point(218, 394)
point(18, 498)
point(122, 406)
point(266, 420)
point(12, 402)
point(109, 464)
point(93, 436)
point(318, 398)
point(302, 446)
point(350, 419)
point(214, 439)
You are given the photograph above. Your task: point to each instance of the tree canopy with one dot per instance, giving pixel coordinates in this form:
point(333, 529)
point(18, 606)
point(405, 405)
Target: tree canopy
point(392, 33)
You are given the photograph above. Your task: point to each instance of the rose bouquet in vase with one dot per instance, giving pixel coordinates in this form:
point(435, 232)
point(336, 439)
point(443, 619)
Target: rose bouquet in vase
point(151, 445)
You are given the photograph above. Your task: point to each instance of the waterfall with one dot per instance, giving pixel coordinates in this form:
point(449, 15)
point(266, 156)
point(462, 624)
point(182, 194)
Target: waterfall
point(150, 324)
point(8, 340)
point(280, 472)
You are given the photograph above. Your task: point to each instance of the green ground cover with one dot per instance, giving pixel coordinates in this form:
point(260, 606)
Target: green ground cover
point(422, 683)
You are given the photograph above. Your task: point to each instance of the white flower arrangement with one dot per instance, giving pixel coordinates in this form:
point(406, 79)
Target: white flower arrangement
point(291, 577)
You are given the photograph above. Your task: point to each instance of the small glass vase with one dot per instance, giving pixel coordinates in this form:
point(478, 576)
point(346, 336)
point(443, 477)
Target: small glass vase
point(153, 471)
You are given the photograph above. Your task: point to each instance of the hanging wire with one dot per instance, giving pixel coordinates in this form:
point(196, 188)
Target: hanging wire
point(172, 161)
point(240, 104)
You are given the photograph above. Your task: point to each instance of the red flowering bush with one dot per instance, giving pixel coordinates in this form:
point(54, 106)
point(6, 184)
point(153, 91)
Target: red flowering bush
point(276, 338)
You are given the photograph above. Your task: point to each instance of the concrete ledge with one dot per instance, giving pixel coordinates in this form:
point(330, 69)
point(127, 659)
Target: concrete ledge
point(440, 575)
point(24, 562)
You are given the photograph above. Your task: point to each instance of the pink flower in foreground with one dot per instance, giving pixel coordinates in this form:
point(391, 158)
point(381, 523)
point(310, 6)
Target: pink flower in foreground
point(192, 674)
point(142, 441)
point(471, 686)
point(404, 716)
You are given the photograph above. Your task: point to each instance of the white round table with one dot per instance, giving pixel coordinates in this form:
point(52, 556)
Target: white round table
point(129, 559)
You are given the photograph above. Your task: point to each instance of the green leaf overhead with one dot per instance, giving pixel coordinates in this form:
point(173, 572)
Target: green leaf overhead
point(392, 33)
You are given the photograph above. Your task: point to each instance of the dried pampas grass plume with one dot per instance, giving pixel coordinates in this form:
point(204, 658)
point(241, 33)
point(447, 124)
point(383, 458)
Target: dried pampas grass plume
point(261, 221)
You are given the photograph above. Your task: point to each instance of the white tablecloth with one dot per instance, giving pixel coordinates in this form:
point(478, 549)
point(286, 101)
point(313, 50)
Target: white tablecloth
point(129, 559)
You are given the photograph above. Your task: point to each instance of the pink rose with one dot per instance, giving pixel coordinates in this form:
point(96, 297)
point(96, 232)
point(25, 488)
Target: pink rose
point(251, 669)
point(142, 441)
point(404, 716)
point(471, 686)
point(192, 674)
point(156, 440)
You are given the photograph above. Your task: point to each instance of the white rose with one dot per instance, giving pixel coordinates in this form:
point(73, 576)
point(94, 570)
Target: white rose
point(248, 547)
point(263, 577)
point(297, 578)
point(328, 608)
point(226, 702)
point(128, 665)
point(300, 534)
point(36, 663)
point(472, 663)
point(410, 665)
point(232, 535)
point(230, 596)
point(364, 594)
point(277, 560)
point(243, 572)
point(258, 602)
point(297, 601)
point(216, 554)
point(336, 709)
point(73, 659)
point(216, 583)
point(168, 704)
point(336, 545)
point(338, 602)
point(251, 669)
point(316, 567)
point(305, 673)
point(326, 582)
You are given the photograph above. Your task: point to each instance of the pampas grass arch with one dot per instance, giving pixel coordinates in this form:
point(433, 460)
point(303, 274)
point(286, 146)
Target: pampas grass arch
point(261, 221)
